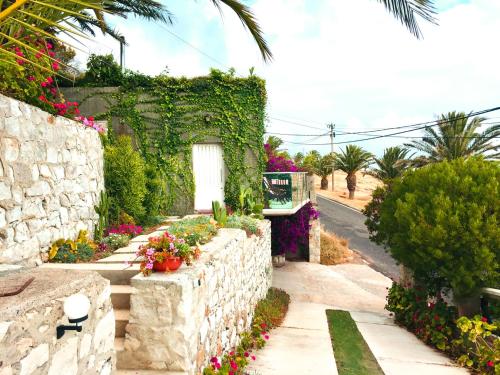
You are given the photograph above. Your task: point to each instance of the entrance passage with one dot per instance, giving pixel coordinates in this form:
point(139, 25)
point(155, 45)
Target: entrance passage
point(208, 169)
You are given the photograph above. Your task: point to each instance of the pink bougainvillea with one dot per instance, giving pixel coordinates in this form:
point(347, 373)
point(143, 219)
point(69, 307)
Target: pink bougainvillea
point(278, 163)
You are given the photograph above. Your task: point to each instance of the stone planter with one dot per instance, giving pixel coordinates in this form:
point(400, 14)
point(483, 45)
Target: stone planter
point(278, 260)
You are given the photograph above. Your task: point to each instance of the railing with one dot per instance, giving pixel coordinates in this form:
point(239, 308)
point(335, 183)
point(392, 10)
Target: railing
point(487, 294)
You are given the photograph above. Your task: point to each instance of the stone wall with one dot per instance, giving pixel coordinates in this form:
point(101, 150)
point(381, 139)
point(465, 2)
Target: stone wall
point(51, 175)
point(28, 321)
point(179, 320)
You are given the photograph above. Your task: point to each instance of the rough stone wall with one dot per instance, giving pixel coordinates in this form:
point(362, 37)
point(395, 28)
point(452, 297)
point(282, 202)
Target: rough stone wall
point(28, 321)
point(179, 320)
point(51, 176)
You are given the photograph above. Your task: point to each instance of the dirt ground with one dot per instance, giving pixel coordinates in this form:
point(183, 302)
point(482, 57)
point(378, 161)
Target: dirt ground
point(365, 186)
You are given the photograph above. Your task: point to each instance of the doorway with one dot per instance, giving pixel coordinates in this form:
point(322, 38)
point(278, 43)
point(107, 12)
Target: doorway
point(208, 170)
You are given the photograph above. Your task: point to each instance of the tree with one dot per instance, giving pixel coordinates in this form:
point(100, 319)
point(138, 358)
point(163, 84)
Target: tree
point(457, 135)
point(392, 164)
point(441, 222)
point(350, 161)
point(311, 161)
point(298, 158)
point(274, 143)
point(324, 169)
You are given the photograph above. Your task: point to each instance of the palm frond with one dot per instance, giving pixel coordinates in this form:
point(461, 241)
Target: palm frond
point(407, 11)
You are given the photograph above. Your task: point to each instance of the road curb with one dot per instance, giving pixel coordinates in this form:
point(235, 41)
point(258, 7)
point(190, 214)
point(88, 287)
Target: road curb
point(338, 202)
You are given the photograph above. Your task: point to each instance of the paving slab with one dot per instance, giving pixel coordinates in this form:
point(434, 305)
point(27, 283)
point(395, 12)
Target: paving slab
point(120, 258)
point(130, 248)
point(145, 237)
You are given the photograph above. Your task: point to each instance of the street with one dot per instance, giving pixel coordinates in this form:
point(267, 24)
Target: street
point(349, 223)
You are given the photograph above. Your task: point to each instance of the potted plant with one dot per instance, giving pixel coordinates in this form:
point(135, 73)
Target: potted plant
point(166, 253)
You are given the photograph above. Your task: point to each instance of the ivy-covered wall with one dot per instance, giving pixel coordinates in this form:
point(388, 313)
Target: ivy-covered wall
point(168, 115)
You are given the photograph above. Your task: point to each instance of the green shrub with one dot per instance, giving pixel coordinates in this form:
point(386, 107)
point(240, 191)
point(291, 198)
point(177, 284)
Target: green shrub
point(69, 251)
point(196, 231)
point(441, 221)
point(102, 71)
point(155, 192)
point(125, 180)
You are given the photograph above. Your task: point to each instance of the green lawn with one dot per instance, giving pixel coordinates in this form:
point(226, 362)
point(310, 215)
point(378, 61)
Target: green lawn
point(352, 354)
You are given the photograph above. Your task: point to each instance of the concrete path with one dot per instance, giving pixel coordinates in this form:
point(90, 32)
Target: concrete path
point(302, 344)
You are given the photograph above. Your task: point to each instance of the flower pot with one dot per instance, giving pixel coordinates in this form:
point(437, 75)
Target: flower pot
point(168, 264)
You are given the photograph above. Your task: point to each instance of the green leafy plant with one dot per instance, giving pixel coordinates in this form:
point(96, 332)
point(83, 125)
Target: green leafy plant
point(249, 204)
point(103, 221)
point(220, 213)
point(441, 222)
point(69, 251)
point(482, 349)
point(125, 180)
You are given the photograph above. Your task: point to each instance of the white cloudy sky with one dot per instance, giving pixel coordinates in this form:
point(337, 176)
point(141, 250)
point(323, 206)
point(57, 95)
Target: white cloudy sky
point(343, 61)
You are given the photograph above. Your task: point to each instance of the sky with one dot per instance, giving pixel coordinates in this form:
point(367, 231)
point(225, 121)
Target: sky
point(347, 62)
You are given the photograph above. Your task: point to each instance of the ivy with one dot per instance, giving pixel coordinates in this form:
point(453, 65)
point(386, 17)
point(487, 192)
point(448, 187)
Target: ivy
point(171, 114)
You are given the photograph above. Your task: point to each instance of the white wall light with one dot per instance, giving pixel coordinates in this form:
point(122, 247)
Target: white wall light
point(76, 308)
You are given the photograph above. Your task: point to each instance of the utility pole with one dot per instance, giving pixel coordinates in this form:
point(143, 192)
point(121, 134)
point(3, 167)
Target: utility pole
point(332, 135)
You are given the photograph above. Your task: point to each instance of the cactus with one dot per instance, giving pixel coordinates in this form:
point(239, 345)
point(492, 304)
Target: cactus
point(103, 211)
point(220, 213)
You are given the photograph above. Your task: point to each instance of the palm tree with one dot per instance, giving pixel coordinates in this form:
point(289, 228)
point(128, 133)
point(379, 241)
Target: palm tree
point(274, 143)
point(457, 135)
point(350, 161)
point(47, 18)
point(392, 164)
point(298, 158)
point(324, 169)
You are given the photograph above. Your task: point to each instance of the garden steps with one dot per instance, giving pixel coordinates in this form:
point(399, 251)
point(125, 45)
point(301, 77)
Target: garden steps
point(147, 372)
point(145, 237)
point(120, 296)
point(116, 273)
point(121, 321)
point(130, 249)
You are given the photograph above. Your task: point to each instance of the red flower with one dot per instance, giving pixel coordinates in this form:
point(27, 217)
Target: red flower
point(484, 319)
point(38, 55)
point(436, 317)
point(44, 84)
point(253, 357)
point(233, 365)
point(42, 98)
point(31, 78)
point(214, 360)
point(263, 326)
point(50, 79)
point(55, 65)
point(490, 364)
point(266, 337)
point(247, 354)
point(49, 46)
point(231, 353)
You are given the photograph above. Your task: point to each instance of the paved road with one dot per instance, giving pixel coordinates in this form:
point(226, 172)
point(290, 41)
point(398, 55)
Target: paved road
point(349, 223)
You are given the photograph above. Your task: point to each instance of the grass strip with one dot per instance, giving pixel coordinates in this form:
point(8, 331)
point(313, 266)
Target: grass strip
point(352, 354)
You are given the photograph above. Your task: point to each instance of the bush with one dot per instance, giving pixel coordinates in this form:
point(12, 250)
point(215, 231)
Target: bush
point(102, 71)
point(470, 341)
point(441, 221)
point(155, 193)
point(125, 180)
point(69, 251)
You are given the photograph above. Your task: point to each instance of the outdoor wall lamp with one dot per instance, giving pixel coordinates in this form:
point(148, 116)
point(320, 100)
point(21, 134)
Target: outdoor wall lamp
point(76, 308)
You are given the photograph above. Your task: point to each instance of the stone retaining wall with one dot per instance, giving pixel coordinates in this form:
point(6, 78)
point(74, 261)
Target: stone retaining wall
point(179, 320)
point(28, 321)
point(51, 176)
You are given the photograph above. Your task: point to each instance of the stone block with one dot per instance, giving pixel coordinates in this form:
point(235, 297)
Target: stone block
point(10, 149)
point(5, 191)
point(35, 359)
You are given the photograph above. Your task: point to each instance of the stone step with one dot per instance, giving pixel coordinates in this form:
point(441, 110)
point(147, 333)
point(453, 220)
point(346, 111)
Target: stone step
point(120, 258)
point(116, 273)
point(129, 249)
point(145, 237)
point(121, 321)
point(120, 296)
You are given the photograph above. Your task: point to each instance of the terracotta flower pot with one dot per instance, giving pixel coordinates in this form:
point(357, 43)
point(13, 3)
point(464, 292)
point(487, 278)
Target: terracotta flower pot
point(168, 264)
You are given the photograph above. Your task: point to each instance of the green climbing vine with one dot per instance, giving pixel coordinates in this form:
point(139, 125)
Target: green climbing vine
point(169, 115)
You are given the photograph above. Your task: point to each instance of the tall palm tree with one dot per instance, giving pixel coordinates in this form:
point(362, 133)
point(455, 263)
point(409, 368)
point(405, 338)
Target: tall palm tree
point(298, 158)
point(458, 135)
point(274, 143)
point(392, 164)
point(350, 161)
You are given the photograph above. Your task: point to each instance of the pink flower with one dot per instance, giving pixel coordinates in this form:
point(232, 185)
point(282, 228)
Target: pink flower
point(38, 55)
point(490, 364)
point(55, 65)
point(149, 266)
point(44, 84)
point(253, 357)
point(49, 46)
point(31, 78)
point(266, 337)
point(218, 365)
point(233, 365)
point(214, 360)
point(484, 319)
point(247, 354)
point(150, 252)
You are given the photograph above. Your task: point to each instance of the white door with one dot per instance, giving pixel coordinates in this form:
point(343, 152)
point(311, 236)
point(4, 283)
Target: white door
point(208, 168)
